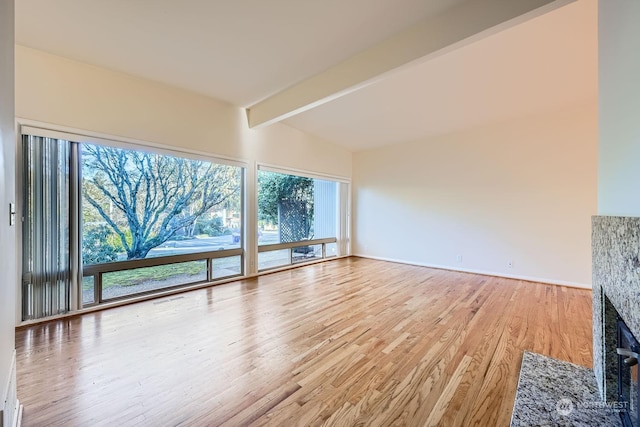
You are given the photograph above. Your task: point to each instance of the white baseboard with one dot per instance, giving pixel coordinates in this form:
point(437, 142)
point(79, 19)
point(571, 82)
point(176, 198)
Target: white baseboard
point(482, 272)
point(11, 412)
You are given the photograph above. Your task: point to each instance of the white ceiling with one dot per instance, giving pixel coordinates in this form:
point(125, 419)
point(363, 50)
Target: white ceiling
point(240, 51)
point(243, 51)
point(545, 64)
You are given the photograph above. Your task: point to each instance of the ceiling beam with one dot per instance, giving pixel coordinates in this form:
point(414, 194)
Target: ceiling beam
point(456, 27)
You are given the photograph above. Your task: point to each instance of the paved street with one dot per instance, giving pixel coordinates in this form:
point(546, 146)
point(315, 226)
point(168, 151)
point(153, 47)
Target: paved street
point(204, 244)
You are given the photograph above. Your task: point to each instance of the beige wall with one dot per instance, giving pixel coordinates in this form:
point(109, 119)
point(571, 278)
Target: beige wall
point(63, 92)
point(7, 195)
point(521, 191)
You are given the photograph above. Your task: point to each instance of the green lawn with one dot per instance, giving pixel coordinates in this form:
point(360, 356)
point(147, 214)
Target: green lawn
point(159, 273)
point(162, 272)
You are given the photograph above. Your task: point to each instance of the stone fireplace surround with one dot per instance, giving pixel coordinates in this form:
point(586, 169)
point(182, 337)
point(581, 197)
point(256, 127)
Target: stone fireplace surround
point(616, 290)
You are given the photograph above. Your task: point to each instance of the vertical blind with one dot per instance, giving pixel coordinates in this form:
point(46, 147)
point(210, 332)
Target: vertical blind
point(46, 280)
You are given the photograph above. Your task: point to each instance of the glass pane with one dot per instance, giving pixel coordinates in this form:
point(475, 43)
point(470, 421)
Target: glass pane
point(285, 208)
point(227, 267)
point(294, 208)
point(331, 249)
point(88, 290)
point(307, 253)
point(145, 279)
point(273, 259)
point(325, 209)
point(46, 282)
point(137, 204)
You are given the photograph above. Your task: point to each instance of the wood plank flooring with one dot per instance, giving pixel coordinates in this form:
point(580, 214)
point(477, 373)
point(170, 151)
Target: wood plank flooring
point(347, 342)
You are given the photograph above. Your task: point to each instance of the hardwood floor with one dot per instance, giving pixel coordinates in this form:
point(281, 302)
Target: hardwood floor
point(347, 342)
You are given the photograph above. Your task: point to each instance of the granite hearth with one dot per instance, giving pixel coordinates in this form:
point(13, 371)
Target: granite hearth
point(552, 392)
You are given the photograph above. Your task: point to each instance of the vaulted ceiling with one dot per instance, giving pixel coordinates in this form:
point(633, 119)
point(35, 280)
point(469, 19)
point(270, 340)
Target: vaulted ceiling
point(359, 73)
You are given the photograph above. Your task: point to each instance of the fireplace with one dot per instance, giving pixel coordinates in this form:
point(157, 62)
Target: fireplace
point(628, 350)
point(616, 312)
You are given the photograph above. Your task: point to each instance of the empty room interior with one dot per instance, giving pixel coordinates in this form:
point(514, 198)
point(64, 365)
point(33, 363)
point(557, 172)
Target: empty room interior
point(319, 213)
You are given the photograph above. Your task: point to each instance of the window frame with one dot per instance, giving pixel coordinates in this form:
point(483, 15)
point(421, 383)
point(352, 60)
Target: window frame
point(343, 220)
point(250, 167)
point(77, 138)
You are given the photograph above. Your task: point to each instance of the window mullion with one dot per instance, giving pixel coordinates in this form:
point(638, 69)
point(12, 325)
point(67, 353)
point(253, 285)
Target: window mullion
point(75, 223)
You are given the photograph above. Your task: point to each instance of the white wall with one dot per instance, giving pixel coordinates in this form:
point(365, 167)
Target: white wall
point(619, 99)
point(7, 195)
point(521, 191)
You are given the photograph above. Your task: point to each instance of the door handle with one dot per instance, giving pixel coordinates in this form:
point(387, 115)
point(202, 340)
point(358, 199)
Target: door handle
point(632, 356)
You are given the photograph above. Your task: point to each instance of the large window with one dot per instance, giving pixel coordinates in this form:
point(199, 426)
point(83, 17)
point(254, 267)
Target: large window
point(299, 218)
point(123, 221)
point(138, 205)
point(106, 220)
